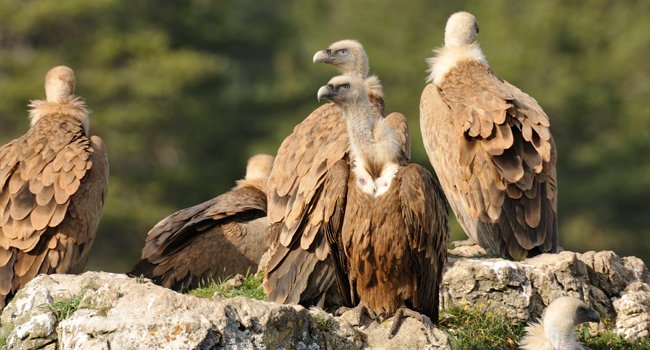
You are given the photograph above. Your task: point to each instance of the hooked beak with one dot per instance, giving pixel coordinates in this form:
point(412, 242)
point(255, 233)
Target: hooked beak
point(590, 316)
point(323, 56)
point(325, 92)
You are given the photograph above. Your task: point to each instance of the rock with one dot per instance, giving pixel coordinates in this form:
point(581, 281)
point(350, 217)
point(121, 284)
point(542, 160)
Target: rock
point(112, 311)
point(117, 312)
point(616, 287)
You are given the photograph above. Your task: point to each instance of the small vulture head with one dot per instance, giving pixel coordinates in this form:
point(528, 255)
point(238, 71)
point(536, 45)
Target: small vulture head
point(59, 84)
point(343, 89)
point(564, 314)
point(348, 56)
point(259, 166)
point(461, 29)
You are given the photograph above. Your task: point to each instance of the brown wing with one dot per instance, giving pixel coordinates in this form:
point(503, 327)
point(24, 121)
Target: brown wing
point(300, 206)
point(399, 124)
point(502, 183)
point(222, 236)
point(425, 214)
point(50, 202)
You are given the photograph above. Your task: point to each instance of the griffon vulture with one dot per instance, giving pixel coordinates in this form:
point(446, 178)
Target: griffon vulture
point(391, 250)
point(349, 57)
point(223, 236)
point(302, 204)
point(490, 145)
point(53, 181)
point(556, 330)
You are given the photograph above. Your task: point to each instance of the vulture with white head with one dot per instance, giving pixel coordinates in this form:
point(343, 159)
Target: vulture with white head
point(392, 247)
point(302, 204)
point(221, 237)
point(491, 147)
point(53, 183)
point(556, 329)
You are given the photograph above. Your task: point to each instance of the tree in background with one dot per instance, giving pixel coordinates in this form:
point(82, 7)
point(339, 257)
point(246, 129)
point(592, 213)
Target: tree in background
point(184, 92)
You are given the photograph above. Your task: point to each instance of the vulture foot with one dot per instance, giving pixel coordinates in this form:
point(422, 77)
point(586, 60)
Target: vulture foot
point(465, 243)
point(355, 315)
point(403, 312)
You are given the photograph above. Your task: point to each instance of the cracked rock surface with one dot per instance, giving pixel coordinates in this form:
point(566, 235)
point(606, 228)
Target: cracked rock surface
point(118, 312)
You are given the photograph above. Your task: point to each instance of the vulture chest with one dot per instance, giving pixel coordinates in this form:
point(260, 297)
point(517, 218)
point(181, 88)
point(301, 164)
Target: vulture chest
point(375, 238)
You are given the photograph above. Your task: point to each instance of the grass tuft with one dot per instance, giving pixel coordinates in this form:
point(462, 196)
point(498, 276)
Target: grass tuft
point(474, 328)
point(62, 309)
point(251, 287)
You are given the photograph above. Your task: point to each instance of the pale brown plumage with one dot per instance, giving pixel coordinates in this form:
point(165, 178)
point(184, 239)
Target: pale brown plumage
point(491, 147)
point(301, 202)
point(53, 183)
point(220, 237)
point(556, 329)
point(392, 247)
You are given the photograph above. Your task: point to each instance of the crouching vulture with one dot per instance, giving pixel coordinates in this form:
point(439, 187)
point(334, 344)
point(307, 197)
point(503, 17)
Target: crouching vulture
point(390, 252)
point(302, 205)
point(490, 145)
point(53, 183)
point(556, 329)
point(220, 237)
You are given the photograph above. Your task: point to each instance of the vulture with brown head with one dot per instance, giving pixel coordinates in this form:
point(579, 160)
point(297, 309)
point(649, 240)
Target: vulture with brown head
point(491, 146)
point(221, 237)
point(53, 183)
point(556, 329)
point(391, 250)
point(302, 203)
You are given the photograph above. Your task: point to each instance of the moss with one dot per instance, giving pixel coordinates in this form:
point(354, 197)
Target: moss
point(251, 287)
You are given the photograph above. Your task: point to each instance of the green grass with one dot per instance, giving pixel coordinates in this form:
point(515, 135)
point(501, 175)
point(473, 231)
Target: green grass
point(62, 309)
point(474, 328)
point(251, 288)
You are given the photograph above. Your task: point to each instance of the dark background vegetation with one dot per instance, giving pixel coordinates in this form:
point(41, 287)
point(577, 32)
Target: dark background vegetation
point(184, 92)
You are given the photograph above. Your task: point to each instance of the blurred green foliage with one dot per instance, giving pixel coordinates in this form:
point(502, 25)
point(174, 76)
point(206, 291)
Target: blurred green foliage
point(184, 92)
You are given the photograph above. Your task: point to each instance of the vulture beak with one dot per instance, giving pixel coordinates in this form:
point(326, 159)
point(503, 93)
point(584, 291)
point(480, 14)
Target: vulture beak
point(325, 91)
point(588, 315)
point(323, 56)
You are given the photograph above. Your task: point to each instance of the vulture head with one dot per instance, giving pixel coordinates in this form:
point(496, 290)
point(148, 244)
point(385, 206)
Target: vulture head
point(259, 168)
point(59, 84)
point(60, 98)
point(348, 56)
point(343, 89)
point(558, 324)
point(461, 29)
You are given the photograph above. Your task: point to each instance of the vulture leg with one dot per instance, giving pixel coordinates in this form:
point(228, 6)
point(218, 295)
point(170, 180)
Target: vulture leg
point(404, 312)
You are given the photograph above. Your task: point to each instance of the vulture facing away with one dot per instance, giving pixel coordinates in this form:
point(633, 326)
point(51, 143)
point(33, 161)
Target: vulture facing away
point(53, 183)
point(302, 204)
point(391, 250)
point(556, 330)
point(220, 237)
point(491, 146)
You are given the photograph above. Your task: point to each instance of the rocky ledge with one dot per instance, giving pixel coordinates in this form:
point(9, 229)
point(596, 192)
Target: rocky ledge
point(112, 311)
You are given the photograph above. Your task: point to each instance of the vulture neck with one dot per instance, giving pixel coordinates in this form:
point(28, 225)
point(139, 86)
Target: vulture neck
point(374, 148)
point(447, 58)
point(560, 336)
point(73, 107)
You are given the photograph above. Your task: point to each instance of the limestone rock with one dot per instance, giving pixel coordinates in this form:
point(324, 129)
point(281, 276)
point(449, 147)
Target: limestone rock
point(616, 287)
point(117, 312)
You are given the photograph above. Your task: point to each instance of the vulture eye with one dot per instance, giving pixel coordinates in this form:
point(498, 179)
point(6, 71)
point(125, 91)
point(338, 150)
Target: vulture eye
point(342, 52)
point(476, 27)
point(344, 86)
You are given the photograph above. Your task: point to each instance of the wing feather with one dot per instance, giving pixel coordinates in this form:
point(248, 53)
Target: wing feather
point(504, 155)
